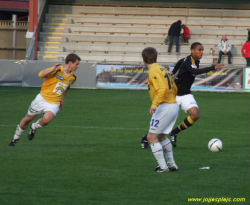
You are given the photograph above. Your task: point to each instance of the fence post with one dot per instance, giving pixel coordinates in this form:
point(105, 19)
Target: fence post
point(14, 35)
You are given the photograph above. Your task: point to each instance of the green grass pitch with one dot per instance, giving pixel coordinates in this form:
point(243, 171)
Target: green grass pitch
point(91, 154)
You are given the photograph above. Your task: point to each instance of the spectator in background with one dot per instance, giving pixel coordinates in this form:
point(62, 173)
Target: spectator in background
point(225, 47)
point(246, 51)
point(174, 33)
point(186, 33)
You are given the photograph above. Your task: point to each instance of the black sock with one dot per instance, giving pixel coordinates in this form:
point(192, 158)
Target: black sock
point(145, 138)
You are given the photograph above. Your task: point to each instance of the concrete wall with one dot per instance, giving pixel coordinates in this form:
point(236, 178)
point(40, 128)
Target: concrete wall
point(25, 73)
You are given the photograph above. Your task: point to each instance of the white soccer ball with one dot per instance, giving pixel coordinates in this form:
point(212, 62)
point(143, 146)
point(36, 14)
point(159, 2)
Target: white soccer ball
point(215, 145)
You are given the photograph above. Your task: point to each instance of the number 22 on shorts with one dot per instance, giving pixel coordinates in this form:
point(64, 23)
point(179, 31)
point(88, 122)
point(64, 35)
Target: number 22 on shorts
point(155, 123)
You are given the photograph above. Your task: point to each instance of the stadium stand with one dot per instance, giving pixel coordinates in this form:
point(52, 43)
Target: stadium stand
point(118, 34)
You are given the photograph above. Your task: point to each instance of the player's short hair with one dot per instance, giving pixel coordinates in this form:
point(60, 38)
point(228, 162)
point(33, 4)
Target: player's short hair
point(72, 57)
point(195, 44)
point(149, 55)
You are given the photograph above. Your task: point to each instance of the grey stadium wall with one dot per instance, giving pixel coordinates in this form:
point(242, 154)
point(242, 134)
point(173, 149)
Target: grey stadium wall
point(25, 73)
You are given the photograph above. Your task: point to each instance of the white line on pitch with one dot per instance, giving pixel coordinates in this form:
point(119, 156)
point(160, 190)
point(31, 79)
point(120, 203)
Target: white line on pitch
point(87, 127)
point(126, 128)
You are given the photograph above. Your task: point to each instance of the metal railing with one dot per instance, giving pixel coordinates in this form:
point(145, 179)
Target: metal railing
point(10, 23)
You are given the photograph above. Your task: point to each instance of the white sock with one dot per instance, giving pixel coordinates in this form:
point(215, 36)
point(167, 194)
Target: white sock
point(36, 125)
point(158, 153)
point(18, 132)
point(167, 148)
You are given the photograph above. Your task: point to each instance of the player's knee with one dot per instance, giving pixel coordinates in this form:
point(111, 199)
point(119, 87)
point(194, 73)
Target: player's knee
point(47, 117)
point(46, 120)
point(195, 116)
point(152, 138)
point(28, 118)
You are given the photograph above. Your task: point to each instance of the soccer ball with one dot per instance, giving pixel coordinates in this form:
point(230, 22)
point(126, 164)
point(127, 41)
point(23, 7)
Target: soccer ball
point(215, 145)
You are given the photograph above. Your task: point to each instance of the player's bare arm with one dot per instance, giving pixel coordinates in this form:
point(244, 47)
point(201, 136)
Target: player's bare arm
point(63, 97)
point(45, 73)
point(152, 110)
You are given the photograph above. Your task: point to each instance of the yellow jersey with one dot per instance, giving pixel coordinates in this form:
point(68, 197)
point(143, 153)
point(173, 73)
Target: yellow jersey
point(161, 86)
point(56, 84)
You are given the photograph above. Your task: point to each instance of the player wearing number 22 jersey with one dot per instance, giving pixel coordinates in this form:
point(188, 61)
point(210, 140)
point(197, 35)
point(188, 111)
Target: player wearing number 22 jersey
point(47, 102)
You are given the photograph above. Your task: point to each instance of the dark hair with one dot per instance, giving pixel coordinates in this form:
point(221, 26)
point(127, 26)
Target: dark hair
point(195, 44)
point(72, 57)
point(179, 21)
point(248, 38)
point(149, 55)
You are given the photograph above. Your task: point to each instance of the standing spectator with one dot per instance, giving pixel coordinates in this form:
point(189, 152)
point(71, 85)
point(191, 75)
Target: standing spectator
point(246, 51)
point(225, 47)
point(174, 33)
point(186, 33)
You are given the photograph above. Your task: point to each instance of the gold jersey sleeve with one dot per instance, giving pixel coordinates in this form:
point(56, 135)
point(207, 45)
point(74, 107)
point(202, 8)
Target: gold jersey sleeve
point(55, 85)
point(161, 86)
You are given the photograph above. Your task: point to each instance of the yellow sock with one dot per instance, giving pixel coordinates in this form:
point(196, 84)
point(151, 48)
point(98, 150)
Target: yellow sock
point(188, 122)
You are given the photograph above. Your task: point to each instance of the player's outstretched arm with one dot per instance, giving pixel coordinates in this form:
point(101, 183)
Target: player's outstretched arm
point(204, 70)
point(218, 66)
point(46, 72)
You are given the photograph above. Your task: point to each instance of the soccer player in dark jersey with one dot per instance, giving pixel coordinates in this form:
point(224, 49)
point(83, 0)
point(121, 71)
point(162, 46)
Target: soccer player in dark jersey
point(188, 68)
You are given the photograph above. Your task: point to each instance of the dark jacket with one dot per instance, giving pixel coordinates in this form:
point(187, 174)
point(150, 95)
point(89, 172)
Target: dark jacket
point(175, 29)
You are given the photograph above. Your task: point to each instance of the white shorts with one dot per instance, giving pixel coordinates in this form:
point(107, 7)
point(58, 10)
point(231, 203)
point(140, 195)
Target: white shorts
point(186, 102)
point(164, 118)
point(39, 106)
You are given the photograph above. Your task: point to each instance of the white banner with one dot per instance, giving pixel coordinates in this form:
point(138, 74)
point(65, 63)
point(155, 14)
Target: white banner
point(247, 79)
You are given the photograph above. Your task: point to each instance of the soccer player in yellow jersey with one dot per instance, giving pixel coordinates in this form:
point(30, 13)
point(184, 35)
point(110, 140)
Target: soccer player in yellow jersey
point(164, 110)
point(188, 69)
point(47, 102)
